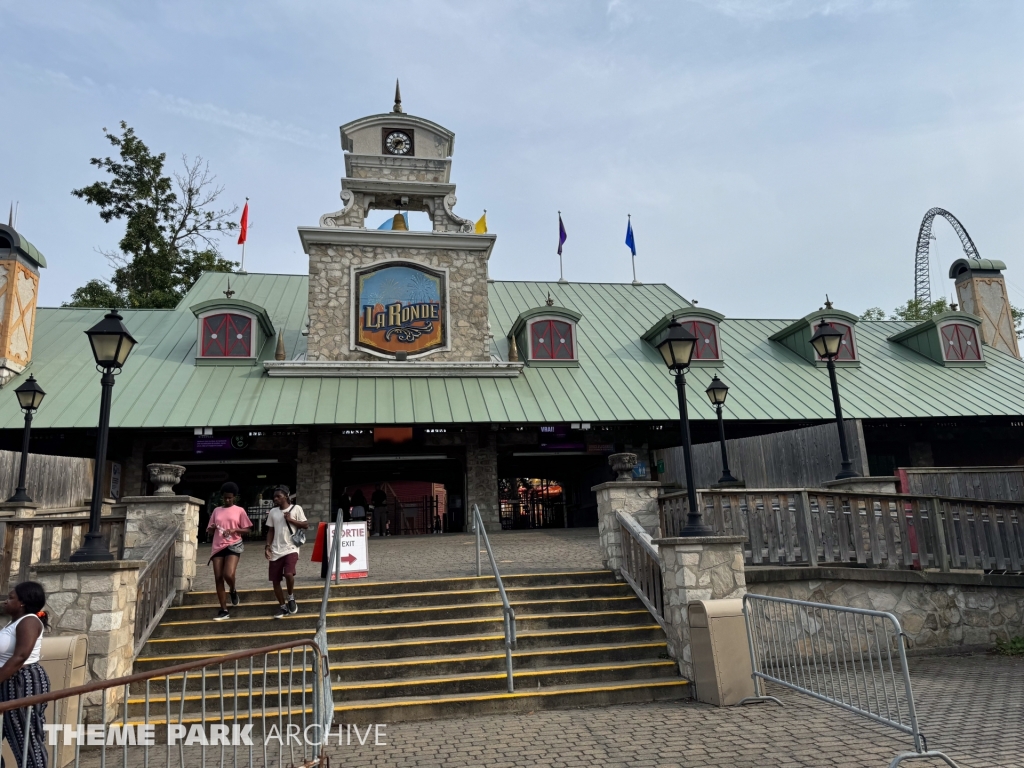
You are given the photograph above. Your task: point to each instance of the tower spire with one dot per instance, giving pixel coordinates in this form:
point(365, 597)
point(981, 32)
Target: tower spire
point(398, 98)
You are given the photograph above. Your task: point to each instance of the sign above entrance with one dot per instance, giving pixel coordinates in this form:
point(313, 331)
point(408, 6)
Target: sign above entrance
point(399, 309)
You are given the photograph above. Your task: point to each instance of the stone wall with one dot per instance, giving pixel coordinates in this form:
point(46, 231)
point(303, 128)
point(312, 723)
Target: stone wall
point(313, 476)
point(638, 500)
point(97, 599)
point(146, 517)
point(697, 568)
point(936, 610)
point(330, 299)
point(482, 478)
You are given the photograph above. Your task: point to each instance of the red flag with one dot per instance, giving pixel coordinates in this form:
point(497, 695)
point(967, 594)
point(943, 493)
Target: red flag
point(243, 226)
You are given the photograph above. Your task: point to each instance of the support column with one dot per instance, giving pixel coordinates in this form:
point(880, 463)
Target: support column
point(636, 499)
point(313, 476)
point(146, 517)
point(482, 478)
point(97, 599)
point(697, 568)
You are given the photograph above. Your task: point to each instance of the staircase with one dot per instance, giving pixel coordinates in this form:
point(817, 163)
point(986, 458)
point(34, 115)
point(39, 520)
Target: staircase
point(420, 650)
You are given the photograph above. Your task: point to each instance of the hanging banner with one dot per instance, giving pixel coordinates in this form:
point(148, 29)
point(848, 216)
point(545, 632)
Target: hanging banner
point(355, 560)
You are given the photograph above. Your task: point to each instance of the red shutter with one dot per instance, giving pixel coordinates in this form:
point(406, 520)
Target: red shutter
point(960, 342)
point(551, 340)
point(707, 340)
point(226, 335)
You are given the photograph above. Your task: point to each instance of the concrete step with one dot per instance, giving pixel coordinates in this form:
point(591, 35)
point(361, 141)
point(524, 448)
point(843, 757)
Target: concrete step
point(223, 640)
point(387, 616)
point(378, 588)
point(439, 687)
point(250, 606)
point(405, 709)
point(170, 653)
point(416, 667)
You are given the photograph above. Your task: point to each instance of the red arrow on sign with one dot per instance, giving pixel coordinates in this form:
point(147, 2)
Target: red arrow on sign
point(348, 559)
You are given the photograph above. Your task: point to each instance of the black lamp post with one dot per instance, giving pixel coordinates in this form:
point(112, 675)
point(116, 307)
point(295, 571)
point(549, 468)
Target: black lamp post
point(30, 396)
point(677, 349)
point(111, 344)
point(827, 342)
point(717, 391)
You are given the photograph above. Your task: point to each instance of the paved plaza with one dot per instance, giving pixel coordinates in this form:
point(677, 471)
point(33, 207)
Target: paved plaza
point(972, 707)
point(441, 556)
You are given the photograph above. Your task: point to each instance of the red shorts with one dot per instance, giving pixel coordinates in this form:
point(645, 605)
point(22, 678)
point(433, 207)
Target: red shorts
point(283, 566)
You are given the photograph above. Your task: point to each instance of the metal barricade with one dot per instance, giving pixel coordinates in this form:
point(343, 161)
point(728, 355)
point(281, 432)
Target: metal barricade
point(262, 707)
point(850, 657)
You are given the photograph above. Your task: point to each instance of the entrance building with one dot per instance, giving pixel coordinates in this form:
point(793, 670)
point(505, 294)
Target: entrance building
point(398, 362)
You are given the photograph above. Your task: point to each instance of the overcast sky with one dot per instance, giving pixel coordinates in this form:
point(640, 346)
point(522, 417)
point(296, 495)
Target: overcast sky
point(770, 151)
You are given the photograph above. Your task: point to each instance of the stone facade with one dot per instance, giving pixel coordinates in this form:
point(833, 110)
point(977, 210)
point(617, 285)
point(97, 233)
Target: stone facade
point(97, 599)
point(638, 500)
point(936, 610)
point(313, 476)
point(149, 516)
point(697, 568)
point(482, 478)
point(330, 298)
point(422, 169)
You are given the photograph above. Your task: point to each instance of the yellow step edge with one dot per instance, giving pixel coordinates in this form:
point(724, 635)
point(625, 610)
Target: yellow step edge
point(404, 625)
point(413, 609)
point(396, 595)
point(232, 694)
point(427, 641)
point(425, 581)
point(517, 694)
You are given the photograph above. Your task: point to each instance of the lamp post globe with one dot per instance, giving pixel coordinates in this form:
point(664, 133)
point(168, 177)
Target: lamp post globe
point(717, 391)
point(111, 344)
point(676, 348)
point(827, 341)
point(30, 396)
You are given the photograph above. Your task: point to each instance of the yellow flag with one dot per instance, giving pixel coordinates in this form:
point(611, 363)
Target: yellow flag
point(481, 225)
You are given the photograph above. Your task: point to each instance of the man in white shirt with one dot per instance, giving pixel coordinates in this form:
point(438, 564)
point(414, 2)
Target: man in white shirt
point(283, 520)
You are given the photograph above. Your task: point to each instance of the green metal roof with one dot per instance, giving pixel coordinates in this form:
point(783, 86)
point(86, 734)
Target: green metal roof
point(620, 377)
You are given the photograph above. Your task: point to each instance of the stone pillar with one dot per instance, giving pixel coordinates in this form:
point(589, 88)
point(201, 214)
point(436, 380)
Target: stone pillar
point(697, 568)
point(149, 516)
point(97, 599)
point(18, 509)
point(313, 476)
point(482, 477)
point(638, 500)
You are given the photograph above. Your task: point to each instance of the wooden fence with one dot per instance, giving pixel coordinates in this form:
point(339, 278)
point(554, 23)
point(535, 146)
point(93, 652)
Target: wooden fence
point(810, 526)
point(29, 541)
point(797, 458)
point(1000, 483)
point(54, 482)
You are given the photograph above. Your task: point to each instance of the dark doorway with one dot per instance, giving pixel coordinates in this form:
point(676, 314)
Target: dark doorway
point(550, 490)
point(425, 494)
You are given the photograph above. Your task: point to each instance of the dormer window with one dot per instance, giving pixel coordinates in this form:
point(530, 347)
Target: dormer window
point(226, 334)
point(230, 332)
point(702, 323)
point(552, 339)
point(545, 336)
point(847, 349)
point(959, 342)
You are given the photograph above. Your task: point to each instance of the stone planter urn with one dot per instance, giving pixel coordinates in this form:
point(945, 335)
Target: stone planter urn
point(165, 477)
point(622, 464)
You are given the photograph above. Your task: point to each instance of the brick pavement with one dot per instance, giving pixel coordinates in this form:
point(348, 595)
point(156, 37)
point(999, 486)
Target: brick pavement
point(435, 556)
point(972, 707)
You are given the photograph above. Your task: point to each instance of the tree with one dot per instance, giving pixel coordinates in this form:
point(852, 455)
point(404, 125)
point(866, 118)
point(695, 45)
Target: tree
point(171, 226)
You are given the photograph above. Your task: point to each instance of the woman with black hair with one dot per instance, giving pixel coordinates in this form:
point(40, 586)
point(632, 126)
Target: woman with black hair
point(229, 522)
point(21, 674)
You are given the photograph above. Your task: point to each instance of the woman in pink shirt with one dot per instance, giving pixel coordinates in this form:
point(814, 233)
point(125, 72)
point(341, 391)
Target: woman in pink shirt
point(229, 522)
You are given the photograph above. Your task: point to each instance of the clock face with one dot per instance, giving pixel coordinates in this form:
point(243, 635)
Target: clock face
point(398, 143)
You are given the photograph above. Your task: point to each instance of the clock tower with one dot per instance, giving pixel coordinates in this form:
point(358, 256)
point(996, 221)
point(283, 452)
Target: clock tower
point(397, 294)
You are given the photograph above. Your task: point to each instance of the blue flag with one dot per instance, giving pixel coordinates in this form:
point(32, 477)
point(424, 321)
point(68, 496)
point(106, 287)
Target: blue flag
point(629, 236)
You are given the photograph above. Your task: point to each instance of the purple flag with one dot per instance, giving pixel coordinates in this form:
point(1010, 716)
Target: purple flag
point(561, 233)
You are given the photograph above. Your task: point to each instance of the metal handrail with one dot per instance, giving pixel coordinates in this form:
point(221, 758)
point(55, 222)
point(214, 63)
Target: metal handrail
point(320, 636)
point(508, 613)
